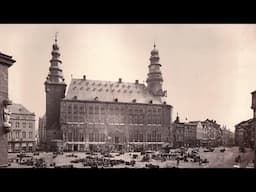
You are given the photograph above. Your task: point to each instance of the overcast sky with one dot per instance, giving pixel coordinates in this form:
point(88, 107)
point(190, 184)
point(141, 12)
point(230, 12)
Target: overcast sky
point(209, 70)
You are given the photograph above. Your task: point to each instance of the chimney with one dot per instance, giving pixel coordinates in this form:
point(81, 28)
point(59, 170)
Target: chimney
point(136, 82)
point(84, 77)
point(120, 80)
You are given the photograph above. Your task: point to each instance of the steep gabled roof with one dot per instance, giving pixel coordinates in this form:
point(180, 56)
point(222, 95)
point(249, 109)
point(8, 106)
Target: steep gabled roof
point(89, 90)
point(19, 109)
point(244, 123)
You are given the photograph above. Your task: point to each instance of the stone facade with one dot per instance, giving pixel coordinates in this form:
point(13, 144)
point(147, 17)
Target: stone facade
point(244, 133)
point(227, 137)
point(178, 134)
point(213, 132)
point(99, 114)
point(87, 124)
point(42, 132)
point(197, 133)
point(5, 62)
point(55, 90)
point(22, 134)
point(190, 134)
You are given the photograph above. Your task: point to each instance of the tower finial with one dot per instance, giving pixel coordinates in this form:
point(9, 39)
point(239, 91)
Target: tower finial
point(56, 34)
point(154, 44)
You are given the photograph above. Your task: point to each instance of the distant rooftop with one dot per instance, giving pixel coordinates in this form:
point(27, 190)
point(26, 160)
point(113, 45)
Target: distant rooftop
point(19, 109)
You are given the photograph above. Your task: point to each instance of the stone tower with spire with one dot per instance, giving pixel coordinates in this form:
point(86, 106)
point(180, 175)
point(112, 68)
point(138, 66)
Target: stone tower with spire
point(55, 88)
point(155, 79)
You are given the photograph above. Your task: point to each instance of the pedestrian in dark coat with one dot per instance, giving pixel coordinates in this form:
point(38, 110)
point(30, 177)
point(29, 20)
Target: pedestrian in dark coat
point(178, 161)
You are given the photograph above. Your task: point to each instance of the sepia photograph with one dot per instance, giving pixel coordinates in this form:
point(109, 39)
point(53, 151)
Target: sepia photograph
point(136, 96)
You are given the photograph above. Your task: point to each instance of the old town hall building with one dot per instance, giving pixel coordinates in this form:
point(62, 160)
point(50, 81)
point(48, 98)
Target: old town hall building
point(96, 114)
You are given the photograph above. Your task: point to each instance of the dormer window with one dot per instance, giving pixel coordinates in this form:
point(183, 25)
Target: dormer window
point(134, 100)
point(116, 99)
point(151, 101)
point(75, 97)
point(96, 98)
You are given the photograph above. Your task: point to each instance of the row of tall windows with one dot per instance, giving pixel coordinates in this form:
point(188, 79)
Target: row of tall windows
point(112, 114)
point(83, 137)
point(138, 136)
point(20, 135)
point(23, 124)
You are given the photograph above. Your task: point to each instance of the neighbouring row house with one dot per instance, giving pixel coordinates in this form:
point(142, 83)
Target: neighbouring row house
point(245, 130)
point(198, 133)
point(245, 133)
point(22, 134)
point(228, 137)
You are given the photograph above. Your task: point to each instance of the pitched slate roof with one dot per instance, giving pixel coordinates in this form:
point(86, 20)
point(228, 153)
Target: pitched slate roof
point(193, 123)
point(245, 123)
point(89, 90)
point(19, 109)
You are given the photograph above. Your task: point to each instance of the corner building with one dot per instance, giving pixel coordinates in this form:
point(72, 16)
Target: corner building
point(96, 115)
point(22, 134)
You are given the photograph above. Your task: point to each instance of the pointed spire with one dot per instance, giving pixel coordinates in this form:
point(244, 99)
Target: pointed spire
point(56, 34)
point(154, 52)
point(55, 71)
point(177, 118)
point(155, 79)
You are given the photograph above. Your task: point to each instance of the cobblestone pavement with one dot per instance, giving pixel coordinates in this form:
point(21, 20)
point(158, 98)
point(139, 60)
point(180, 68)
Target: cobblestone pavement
point(216, 159)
